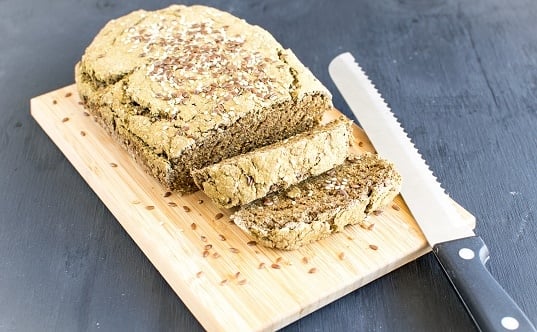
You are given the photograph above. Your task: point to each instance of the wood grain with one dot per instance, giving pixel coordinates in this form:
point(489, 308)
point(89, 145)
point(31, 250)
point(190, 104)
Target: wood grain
point(227, 282)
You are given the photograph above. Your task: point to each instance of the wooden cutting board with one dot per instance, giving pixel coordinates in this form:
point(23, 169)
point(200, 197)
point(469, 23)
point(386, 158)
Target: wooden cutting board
point(228, 282)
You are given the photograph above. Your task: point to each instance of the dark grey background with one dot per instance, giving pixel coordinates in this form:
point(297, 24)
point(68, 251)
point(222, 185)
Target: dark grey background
point(460, 75)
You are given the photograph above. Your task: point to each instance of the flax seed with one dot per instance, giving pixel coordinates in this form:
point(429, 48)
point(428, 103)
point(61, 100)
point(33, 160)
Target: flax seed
point(65, 119)
point(172, 204)
point(251, 243)
point(312, 270)
point(234, 250)
point(275, 266)
point(113, 165)
point(149, 207)
point(193, 226)
point(373, 247)
point(167, 194)
point(186, 208)
point(219, 216)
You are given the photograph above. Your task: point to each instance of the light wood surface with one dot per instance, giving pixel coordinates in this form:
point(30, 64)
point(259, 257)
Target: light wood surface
point(228, 283)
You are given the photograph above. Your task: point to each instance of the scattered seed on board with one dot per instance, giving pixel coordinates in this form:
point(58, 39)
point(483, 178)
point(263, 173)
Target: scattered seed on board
point(312, 270)
point(54, 101)
point(172, 204)
point(216, 255)
point(219, 215)
point(223, 282)
point(261, 265)
point(236, 276)
point(396, 207)
point(360, 144)
point(275, 266)
point(205, 253)
point(305, 260)
point(199, 274)
point(186, 208)
point(234, 250)
point(208, 246)
point(167, 194)
point(113, 165)
point(86, 114)
point(221, 237)
point(242, 282)
point(370, 227)
point(373, 247)
point(200, 201)
point(377, 212)
point(203, 238)
point(149, 207)
point(341, 255)
point(193, 226)
point(68, 94)
point(279, 259)
point(82, 133)
point(65, 119)
point(251, 243)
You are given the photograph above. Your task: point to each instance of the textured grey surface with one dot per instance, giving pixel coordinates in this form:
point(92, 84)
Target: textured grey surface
point(460, 75)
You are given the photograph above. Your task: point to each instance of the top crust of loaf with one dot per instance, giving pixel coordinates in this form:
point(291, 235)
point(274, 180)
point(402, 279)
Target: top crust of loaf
point(192, 70)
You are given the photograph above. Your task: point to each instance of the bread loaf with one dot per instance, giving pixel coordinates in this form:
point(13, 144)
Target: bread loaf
point(185, 87)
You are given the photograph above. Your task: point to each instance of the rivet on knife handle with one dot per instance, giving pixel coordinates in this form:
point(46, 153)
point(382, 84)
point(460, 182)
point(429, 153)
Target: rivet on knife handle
point(460, 252)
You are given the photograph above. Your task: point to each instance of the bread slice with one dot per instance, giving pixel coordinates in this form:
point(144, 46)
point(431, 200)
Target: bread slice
point(244, 178)
point(321, 205)
point(185, 87)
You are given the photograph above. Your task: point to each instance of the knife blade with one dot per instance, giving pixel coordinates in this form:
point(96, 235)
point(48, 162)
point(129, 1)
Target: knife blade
point(461, 254)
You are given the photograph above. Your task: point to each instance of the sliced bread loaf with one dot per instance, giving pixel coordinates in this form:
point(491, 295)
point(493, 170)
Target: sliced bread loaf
point(187, 86)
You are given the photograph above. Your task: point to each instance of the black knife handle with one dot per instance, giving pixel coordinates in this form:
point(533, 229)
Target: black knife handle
point(489, 305)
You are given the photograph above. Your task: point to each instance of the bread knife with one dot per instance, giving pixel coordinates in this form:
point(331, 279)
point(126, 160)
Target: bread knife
point(459, 251)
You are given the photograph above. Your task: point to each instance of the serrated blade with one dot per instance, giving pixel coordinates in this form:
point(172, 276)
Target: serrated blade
point(422, 193)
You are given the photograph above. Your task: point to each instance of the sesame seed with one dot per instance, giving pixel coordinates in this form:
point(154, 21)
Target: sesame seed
point(219, 215)
point(373, 247)
point(65, 119)
point(149, 207)
point(312, 270)
point(186, 208)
